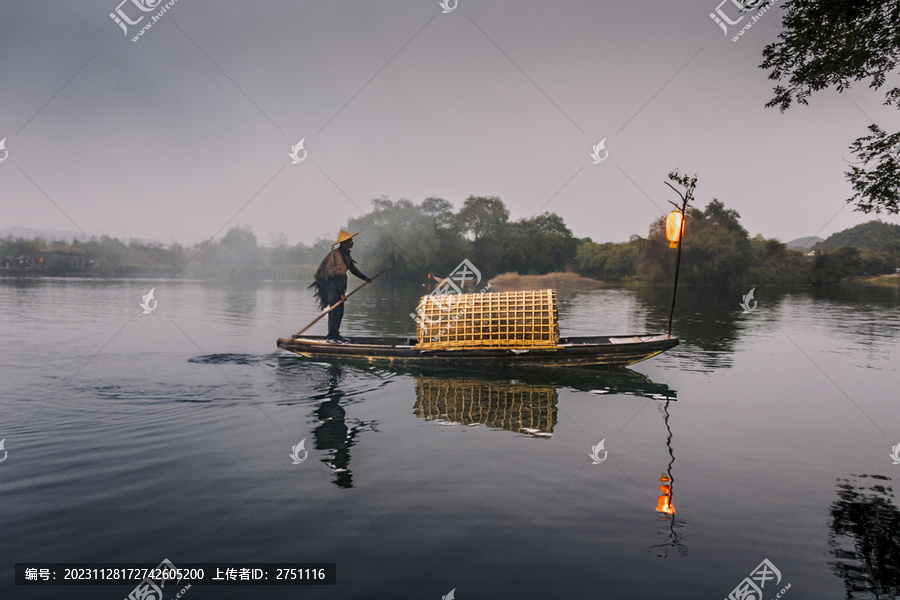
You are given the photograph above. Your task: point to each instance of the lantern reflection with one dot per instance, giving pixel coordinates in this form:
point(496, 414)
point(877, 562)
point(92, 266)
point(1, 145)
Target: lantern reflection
point(664, 502)
point(671, 528)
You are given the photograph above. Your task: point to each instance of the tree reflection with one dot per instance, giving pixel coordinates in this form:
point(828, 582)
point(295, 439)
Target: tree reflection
point(707, 318)
point(865, 537)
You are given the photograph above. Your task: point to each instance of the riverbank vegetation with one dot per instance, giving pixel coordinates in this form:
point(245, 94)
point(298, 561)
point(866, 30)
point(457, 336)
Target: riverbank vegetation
point(415, 240)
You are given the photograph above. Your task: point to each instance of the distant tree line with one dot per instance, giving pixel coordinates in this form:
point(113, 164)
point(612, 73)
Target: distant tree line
point(416, 239)
point(719, 251)
point(235, 256)
point(413, 240)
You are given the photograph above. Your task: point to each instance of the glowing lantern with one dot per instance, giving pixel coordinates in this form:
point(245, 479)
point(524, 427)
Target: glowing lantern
point(673, 228)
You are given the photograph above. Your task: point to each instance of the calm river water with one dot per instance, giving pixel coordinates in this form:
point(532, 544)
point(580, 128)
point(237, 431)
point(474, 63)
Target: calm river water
point(134, 438)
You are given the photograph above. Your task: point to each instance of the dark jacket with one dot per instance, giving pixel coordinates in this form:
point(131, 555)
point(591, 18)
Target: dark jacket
point(331, 276)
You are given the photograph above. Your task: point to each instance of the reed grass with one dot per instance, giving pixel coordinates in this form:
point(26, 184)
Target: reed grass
point(562, 282)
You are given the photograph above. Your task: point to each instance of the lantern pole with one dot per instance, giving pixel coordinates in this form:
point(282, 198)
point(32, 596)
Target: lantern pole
point(685, 198)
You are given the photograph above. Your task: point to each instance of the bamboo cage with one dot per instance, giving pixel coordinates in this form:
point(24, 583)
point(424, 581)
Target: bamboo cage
point(518, 320)
point(519, 408)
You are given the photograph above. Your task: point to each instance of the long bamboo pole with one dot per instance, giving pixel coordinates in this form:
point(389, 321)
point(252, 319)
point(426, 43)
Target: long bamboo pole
point(677, 266)
point(336, 304)
point(686, 197)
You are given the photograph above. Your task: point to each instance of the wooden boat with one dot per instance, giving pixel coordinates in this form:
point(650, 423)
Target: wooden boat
point(568, 352)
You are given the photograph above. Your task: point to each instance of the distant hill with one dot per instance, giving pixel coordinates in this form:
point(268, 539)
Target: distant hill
point(804, 243)
point(872, 235)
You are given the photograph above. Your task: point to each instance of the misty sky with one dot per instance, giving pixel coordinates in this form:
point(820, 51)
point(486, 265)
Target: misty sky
point(188, 129)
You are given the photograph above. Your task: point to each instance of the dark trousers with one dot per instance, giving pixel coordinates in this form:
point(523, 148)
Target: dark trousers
point(330, 292)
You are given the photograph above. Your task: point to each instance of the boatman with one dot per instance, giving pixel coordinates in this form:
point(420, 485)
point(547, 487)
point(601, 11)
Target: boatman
point(331, 283)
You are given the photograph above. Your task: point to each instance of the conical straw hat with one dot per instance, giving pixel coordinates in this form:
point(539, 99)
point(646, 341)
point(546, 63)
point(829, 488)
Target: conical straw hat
point(343, 236)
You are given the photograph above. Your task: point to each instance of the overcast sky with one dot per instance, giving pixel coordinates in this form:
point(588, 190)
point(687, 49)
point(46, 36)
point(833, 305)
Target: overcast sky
point(188, 129)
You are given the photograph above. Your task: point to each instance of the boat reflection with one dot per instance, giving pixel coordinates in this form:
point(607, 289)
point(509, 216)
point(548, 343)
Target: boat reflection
point(517, 407)
point(519, 401)
point(865, 537)
point(527, 405)
point(523, 402)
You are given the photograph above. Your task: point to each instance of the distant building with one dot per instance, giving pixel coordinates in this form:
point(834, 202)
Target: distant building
point(52, 261)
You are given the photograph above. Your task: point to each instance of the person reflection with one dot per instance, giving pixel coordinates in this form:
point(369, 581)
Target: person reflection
point(332, 433)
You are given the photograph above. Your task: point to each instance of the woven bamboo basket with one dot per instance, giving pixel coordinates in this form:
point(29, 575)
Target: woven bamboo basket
point(519, 320)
